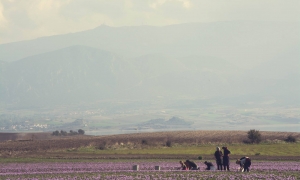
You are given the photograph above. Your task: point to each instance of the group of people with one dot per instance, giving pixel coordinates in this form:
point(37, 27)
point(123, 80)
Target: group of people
point(222, 161)
point(222, 158)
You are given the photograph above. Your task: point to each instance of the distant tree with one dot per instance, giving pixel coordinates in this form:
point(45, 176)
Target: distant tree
point(291, 139)
point(254, 136)
point(63, 133)
point(169, 143)
point(102, 146)
point(144, 141)
point(80, 131)
point(55, 133)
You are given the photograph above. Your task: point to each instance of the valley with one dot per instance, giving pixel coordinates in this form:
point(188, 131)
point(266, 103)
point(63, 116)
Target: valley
point(120, 119)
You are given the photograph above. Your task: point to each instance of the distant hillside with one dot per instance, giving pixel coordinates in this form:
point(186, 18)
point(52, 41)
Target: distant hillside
point(223, 62)
point(80, 74)
point(235, 41)
point(74, 74)
point(171, 123)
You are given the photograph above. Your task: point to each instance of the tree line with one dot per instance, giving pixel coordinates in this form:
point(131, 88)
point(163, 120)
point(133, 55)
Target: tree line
point(254, 136)
point(65, 133)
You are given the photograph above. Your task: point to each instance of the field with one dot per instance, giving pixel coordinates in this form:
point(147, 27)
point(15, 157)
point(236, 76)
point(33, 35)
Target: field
point(113, 157)
point(123, 170)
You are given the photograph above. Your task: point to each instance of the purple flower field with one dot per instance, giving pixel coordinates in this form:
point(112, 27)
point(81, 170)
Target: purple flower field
point(124, 171)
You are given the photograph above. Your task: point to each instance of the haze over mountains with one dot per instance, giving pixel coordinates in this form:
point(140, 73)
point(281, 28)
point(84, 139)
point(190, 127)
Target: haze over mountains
point(223, 62)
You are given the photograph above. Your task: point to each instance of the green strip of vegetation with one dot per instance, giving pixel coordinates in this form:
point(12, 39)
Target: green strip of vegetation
point(282, 149)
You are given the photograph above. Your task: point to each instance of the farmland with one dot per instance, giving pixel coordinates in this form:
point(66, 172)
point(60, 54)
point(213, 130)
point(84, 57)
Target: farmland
point(123, 170)
point(113, 156)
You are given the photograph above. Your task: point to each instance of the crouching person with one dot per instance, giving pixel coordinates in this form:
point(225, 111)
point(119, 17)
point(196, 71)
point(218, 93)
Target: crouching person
point(245, 163)
point(209, 166)
point(183, 166)
point(191, 165)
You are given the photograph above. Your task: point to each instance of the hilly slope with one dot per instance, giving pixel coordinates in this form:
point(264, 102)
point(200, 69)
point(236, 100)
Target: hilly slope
point(81, 74)
point(220, 62)
point(235, 41)
point(73, 74)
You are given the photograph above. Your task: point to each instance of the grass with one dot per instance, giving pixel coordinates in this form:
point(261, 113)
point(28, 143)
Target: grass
point(280, 149)
point(283, 149)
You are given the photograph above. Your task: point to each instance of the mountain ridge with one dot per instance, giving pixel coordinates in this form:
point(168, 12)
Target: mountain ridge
point(193, 61)
point(182, 40)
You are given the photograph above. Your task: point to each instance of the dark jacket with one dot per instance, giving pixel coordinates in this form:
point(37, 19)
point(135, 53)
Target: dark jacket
point(218, 155)
point(245, 162)
point(226, 152)
point(191, 164)
point(209, 165)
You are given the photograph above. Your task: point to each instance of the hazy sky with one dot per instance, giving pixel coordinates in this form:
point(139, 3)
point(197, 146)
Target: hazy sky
point(29, 19)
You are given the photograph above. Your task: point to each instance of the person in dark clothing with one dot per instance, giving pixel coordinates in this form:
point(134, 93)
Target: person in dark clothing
point(219, 158)
point(245, 163)
point(209, 166)
point(191, 165)
point(226, 158)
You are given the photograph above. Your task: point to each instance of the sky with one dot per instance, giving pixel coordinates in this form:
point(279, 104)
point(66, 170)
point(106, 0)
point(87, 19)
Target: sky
point(29, 19)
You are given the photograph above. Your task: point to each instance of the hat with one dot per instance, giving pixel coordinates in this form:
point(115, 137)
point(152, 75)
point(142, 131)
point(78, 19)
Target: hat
point(218, 148)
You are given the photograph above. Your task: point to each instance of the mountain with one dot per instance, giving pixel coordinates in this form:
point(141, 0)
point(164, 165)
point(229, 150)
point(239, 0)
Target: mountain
point(239, 42)
point(168, 78)
point(81, 74)
point(280, 77)
point(172, 123)
point(286, 62)
point(2, 80)
point(73, 74)
point(221, 62)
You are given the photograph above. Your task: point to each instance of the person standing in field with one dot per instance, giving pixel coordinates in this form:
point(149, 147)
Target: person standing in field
point(226, 158)
point(219, 157)
point(245, 163)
